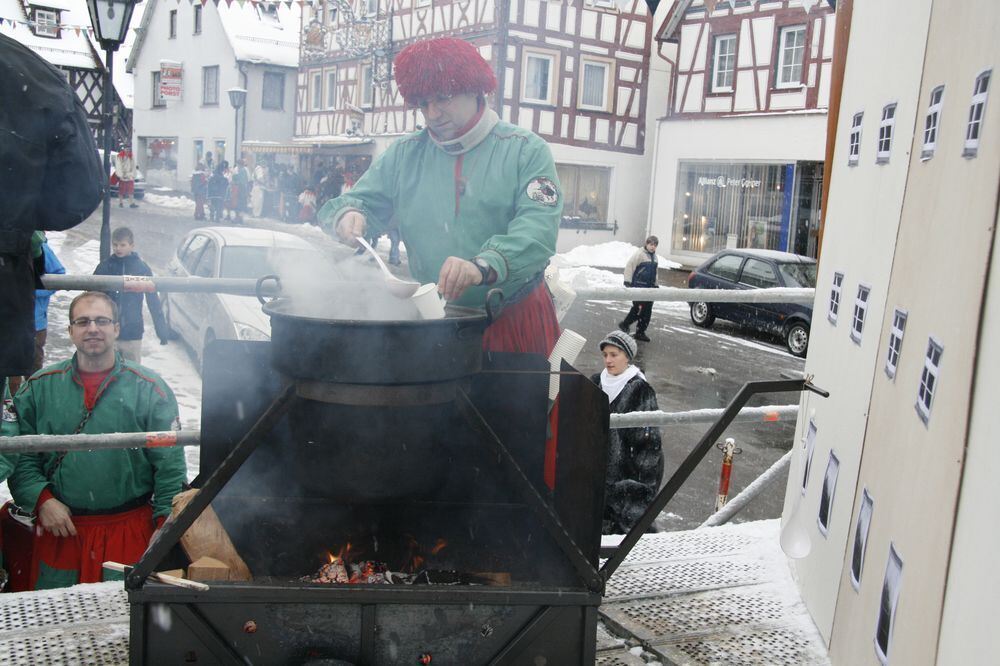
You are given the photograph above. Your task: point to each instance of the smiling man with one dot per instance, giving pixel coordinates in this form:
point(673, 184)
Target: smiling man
point(94, 506)
point(477, 199)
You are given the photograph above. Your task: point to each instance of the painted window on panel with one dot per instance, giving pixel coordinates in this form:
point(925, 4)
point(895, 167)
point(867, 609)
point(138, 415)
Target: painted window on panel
point(46, 23)
point(835, 292)
point(929, 379)
point(367, 91)
point(424, 3)
point(854, 144)
point(860, 310)
point(810, 446)
point(273, 95)
point(331, 89)
point(594, 87)
point(586, 190)
point(210, 85)
point(371, 7)
point(537, 77)
point(885, 129)
point(895, 342)
point(827, 495)
point(791, 52)
point(887, 605)
point(861, 538)
point(316, 91)
point(197, 19)
point(931, 123)
point(158, 101)
point(172, 25)
point(724, 63)
point(977, 109)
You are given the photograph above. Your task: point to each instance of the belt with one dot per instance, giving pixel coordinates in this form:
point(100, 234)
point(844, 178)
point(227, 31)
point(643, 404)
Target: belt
point(122, 508)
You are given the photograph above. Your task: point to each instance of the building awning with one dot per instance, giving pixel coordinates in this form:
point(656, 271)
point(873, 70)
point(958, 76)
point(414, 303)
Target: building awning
point(305, 145)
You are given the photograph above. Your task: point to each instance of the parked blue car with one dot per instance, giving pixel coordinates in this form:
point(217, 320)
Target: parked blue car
point(757, 269)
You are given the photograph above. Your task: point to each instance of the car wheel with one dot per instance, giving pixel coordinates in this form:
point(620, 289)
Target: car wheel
point(701, 315)
point(797, 339)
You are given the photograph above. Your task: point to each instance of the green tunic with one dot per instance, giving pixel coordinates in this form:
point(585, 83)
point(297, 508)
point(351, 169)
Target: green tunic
point(500, 201)
point(132, 398)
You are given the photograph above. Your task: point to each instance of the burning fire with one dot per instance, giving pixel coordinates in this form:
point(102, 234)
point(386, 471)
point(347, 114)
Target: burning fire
point(344, 565)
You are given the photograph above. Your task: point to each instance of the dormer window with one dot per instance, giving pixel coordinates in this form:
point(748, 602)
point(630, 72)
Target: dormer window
point(976, 110)
point(268, 11)
point(885, 134)
point(46, 22)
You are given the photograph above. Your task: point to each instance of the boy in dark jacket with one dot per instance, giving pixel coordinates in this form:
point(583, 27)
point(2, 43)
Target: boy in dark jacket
point(125, 261)
point(217, 186)
point(640, 272)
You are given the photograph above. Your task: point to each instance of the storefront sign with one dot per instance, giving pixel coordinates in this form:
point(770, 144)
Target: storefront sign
point(171, 79)
point(723, 181)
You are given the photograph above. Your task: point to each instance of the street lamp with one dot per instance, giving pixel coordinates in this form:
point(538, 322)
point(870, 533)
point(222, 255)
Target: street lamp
point(110, 19)
point(237, 97)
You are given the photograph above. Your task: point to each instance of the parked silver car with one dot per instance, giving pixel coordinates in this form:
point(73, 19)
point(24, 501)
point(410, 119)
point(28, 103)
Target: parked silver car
point(229, 252)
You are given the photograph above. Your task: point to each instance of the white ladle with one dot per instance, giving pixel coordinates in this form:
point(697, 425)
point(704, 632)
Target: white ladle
point(398, 288)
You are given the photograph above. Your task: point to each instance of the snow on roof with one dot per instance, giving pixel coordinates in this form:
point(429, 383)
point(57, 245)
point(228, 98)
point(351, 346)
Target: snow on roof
point(70, 49)
point(263, 34)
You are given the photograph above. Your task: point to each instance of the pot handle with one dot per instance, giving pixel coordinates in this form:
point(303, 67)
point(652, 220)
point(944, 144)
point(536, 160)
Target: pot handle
point(491, 312)
point(260, 283)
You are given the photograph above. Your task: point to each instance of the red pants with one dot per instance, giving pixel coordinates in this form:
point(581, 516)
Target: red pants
point(126, 188)
point(530, 326)
point(64, 561)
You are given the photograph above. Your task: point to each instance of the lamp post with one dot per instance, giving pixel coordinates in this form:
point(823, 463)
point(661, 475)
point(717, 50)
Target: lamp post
point(237, 97)
point(110, 19)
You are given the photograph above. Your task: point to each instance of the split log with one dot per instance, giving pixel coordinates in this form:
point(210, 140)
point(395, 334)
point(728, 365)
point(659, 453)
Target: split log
point(208, 568)
point(208, 538)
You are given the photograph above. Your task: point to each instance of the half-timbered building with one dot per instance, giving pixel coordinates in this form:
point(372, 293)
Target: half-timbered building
point(741, 147)
point(576, 72)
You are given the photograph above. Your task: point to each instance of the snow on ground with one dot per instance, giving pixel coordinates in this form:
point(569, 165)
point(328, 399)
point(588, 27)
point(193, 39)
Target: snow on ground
point(168, 201)
point(611, 255)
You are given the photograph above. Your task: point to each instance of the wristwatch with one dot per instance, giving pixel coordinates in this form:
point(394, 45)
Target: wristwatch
point(489, 275)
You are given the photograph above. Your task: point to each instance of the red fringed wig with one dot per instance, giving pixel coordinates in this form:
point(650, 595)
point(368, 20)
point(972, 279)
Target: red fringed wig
point(443, 66)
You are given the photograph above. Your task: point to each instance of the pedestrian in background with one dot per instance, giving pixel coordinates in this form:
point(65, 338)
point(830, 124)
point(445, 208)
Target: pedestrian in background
point(635, 455)
point(199, 190)
point(125, 170)
point(640, 272)
point(124, 260)
point(217, 185)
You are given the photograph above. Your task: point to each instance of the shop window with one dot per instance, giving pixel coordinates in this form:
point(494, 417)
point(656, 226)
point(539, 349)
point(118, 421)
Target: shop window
point(724, 63)
point(885, 129)
point(860, 310)
point(895, 342)
point(316, 91)
point(887, 605)
point(158, 100)
point(210, 86)
point(197, 19)
point(46, 23)
point(931, 123)
point(976, 110)
point(757, 273)
point(273, 91)
point(854, 145)
point(929, 379)
point(827, 495)
point(199, 150)
point(537, 77)
point(861, 538)
point(810, 446)
point(835, 292)
point(173, 24)
point(585, 196)
point(726, 267)
point(161, 154)
point(791, 51)
point(594, 86)
point(367, 93)
point(331, 89)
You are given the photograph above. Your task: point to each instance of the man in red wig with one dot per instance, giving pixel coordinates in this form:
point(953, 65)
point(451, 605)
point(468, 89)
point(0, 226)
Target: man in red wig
point(477, 199)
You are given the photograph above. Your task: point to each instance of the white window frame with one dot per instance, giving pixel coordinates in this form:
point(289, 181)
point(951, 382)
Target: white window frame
point(316, 90)
point(930, 379)
point(932, 122)
point(836, 292)
point(829, 492)
point(46, 22)
point(602, 4)
point(716, 69)
point(552, 59)
point(861, 529)
point(371, 7)
point(977, 113)
point(606, 95)
point(330, 88)
point(158, 100)
point(198, 15)
point(854, 139)
point(366, 92)
point(860, 311)
point(886, 128)
point(896, 331)
point(172, 24)
point(271, 76)
point(424, 3)
point(890, 589)
point(809, 444)
point(207, 91)
point(779, 78)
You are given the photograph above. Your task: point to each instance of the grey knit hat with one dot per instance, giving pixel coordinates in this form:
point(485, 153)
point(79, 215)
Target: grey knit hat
point(623, 341)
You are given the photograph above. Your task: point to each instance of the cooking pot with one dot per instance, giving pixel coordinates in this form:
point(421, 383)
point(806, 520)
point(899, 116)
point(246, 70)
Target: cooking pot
point(380, 351)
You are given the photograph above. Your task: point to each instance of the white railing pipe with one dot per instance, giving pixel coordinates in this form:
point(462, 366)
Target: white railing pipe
point(677, 294)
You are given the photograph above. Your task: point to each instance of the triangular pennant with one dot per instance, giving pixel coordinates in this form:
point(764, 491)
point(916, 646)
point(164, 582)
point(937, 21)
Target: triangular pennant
point(77, 30)
point(241, 2)
point(229, 3)
point(288, 4)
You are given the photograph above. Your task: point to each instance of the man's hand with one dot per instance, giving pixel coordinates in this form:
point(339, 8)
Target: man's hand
point(54, 516)
point(350, 227)
point(456, 276)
